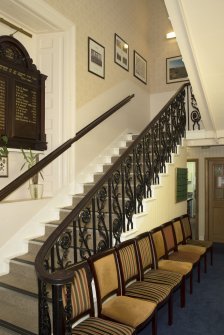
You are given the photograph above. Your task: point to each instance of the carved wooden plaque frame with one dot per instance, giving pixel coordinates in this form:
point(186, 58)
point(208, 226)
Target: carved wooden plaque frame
point(22, 97)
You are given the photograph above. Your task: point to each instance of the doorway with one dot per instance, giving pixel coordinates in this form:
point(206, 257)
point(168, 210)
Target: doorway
point(192, 195)
point(215, 199)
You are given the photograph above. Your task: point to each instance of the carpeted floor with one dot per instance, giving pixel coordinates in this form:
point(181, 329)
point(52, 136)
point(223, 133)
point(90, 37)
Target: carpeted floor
point(204, 311)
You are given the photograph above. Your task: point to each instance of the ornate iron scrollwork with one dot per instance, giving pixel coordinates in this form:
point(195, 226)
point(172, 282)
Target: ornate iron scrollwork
point(63, 245)
point(68, 311)
point(195, 114)
point(148, 164)
point(156, 153)
point(140, 187)
point(84, 235)
point(44, 318)
point(101, 198)
point(116, 195)
point(128, 181)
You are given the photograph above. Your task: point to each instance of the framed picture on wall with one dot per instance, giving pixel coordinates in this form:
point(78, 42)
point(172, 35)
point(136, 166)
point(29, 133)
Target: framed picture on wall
point(96, 58)
point(121, 52)
point(3, 166)
point(175, 70)
point(140, 67)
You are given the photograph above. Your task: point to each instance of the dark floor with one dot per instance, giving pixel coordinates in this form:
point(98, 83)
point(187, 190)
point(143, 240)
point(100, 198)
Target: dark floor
point(204, 311)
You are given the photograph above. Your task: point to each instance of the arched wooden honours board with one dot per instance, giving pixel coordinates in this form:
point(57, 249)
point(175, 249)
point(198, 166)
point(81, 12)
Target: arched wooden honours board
point(22, 97)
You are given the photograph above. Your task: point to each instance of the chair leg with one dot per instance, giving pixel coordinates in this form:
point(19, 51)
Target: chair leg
point(205, 263)
point(170, 310)
point(191, 282)
point(154, 324)
point(183, 292)
point(199, 272)
point(211, 252)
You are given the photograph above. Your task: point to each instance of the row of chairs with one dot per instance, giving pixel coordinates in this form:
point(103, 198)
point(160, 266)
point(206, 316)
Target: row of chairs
point(135, 279)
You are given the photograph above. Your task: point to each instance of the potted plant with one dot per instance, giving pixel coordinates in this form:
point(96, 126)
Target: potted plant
point(36, 189)
point(4, 156)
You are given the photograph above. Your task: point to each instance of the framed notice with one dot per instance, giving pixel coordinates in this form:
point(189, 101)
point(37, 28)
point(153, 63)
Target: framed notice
point(96, 58)
point(181, 184)
point(121, 52)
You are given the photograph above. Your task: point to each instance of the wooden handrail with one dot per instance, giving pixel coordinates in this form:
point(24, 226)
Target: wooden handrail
point(61, 277)
point(19, 181)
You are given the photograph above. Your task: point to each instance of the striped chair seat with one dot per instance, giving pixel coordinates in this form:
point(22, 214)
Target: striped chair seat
point(98, 326)
point(171, 279)
point(182, 256)
point(156, 293)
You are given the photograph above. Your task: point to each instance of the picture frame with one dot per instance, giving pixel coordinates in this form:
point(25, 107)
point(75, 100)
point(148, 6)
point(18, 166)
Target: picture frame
point(4, 166)
point(121, 52)
point(96, 58)
point(175, 70)
point(140, 67)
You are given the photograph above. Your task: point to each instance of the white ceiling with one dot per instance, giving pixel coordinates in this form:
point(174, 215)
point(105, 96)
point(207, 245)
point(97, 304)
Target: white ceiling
point(199, 25)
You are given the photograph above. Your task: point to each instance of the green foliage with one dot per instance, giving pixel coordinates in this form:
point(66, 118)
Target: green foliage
point(3, 149)
point(30, 160)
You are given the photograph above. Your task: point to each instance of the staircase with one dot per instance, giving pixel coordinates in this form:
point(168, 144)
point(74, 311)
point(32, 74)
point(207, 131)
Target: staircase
point(19, 288)
point(96, 220)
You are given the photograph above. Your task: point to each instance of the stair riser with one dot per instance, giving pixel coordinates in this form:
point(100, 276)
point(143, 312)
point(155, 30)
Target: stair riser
point(4, 331)
point(27, 304)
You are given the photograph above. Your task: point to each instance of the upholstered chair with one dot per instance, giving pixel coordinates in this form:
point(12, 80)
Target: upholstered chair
point(82, 312)
point(172, 251)
point(182, 246)
point(148, 271)
point(132, 286)
point(163, 263)
point(186, 225)
point(111, 303)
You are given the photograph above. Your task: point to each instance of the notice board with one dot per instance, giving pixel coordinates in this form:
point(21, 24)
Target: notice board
point(181, 184)
point(22, 97)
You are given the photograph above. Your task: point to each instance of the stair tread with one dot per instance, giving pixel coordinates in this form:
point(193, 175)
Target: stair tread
point(29, 257)
point(19, 317)
point(6, 331)
point(23, 283)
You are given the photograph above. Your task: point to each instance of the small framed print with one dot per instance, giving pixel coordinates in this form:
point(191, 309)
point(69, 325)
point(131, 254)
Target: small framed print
point(140, 67)
point(121, 52)
point(175, 70)
point(3, 166)
point(96, 58)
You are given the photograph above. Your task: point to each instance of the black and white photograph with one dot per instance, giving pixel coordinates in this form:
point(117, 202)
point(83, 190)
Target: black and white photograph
point(96, 58)
point(121, 52)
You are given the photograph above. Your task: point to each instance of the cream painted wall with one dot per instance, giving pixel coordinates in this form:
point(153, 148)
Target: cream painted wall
point(143, 25)
point(100, 19)
point(201, 154)
point(161, 48)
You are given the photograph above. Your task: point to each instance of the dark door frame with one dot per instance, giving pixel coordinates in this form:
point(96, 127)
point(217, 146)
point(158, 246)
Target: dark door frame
point(196, 161)
point(207, 160)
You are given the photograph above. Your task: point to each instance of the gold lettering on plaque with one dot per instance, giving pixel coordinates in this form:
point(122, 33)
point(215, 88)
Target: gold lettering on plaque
point(26, 105)
point(2, 104)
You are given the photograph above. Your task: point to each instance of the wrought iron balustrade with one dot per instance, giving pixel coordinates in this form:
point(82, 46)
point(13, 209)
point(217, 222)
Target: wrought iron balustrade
point(106, 211)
